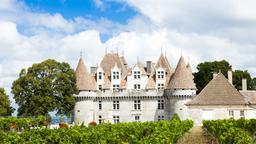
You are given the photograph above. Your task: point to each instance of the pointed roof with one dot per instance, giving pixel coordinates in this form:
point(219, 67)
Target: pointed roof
point(218, 92)
point(182, 77)
point(141, 66)
point(84, 80)
point(190, 70)
point(161, 63)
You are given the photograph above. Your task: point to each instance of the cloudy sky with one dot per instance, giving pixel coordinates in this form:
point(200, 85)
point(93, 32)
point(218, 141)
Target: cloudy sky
point(204, 30)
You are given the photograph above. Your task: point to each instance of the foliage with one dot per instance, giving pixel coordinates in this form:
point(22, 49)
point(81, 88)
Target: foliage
point(232, 131)
point(136, 132)
point(45, 87)
point(5, 104)
point(206, 70)
point(22, 123)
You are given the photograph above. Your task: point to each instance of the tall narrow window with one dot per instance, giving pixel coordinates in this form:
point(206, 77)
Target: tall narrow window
point(116, 119)
point(137, 86)
point(100, 75)
point(136, 74)
point(241, 113)
point(115, 75)
point(231, 113)
point(137, 118)
point(100, 119)
point(100, 105)
point(160, 104)
point(100, 87)
point(137, 105)
point(116, 105)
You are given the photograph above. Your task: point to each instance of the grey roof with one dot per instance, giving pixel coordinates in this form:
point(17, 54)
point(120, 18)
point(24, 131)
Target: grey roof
point(250, 96)
point(219, 92)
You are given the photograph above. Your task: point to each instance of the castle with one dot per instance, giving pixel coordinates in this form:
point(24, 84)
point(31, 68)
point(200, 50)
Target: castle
point(113, 92)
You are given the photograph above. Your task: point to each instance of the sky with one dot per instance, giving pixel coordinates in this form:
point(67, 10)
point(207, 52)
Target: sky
point(202, 30)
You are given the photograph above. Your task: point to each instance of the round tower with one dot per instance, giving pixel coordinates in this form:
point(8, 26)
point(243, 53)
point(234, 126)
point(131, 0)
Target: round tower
point(180, 90)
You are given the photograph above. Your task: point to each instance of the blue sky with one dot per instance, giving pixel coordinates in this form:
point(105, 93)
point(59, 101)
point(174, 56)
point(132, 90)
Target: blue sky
point(112, 10)
point(205, 30)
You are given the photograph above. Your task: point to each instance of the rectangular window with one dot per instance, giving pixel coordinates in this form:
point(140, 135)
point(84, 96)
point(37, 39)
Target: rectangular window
point(136, 74)
point(115, 87)
point(116, 119)
point(160, 104)
point(242, 113)
point(115, 75)
point(137, 86)
point(161, 117)
point(100, 119)
point(160, 74)
point(100, 87)
point(137, 105)
point(137, 118)
point(100, 75)
point(160, 86)
point(231, 113)
point(116, 105)
point(100, 105)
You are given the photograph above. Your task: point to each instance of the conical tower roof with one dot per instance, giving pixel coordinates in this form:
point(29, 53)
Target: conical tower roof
point(84, 80)
point(218, 92)
point(182, 77)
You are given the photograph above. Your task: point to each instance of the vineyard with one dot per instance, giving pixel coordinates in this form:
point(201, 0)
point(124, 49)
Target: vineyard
point(135, 132)
point(232, 131)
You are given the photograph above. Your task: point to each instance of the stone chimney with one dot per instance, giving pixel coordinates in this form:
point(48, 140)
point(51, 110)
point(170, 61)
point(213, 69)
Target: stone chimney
point(93, 69)
point(244, 84)
point(230, 76)
point(149, 67)
point(214, 74)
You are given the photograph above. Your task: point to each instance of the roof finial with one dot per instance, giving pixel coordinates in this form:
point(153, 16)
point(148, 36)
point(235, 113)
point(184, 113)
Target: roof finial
point(161, 49)
point(106, 50)
point(117, 50)
point(81, 54)
point(181, 51)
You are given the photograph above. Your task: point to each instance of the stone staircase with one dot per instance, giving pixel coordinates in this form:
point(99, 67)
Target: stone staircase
point(197, 135)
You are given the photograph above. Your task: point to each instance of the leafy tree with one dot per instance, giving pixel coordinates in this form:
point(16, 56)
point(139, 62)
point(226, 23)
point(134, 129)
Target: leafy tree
point(5, 104)
point(206, 70)
point(238, 75)
point(45, 87)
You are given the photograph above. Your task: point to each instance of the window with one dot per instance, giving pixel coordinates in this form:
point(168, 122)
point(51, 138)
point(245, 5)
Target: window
point(100, 119)
point(116, 119)
point(137, 105)
point(161, 117)
point(160, 74)
point(116, 87)
point(137, 118)
point(136, 74)
point(115, 75)
point(160, 86)
point(137, 86)
point(100, 105)
point(241, 113)
point(116, 105)
point(231, 113)
point(100, 75)
point(100, 87)
point(160, 104)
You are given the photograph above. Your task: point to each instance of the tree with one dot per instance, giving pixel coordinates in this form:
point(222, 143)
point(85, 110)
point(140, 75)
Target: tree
point(206, 70)
point(5, 104)
point(238, 75)
point(45, 87)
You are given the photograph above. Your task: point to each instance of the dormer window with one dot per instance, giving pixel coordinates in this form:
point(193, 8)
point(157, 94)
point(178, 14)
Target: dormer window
point(115, 75)
point(136, 74)
point(100, 75)
point(160, 74)
point(160, 86)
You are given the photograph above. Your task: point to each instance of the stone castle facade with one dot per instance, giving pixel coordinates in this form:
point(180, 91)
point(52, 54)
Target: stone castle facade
point(113, 92)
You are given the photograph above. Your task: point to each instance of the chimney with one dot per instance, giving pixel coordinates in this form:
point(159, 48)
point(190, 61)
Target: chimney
point(230, 77)
point(149, 67)
point(214, 74)
point(93, 69)
point(244, 84)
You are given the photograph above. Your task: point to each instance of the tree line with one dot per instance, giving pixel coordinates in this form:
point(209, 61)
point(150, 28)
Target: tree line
point(50, 85)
